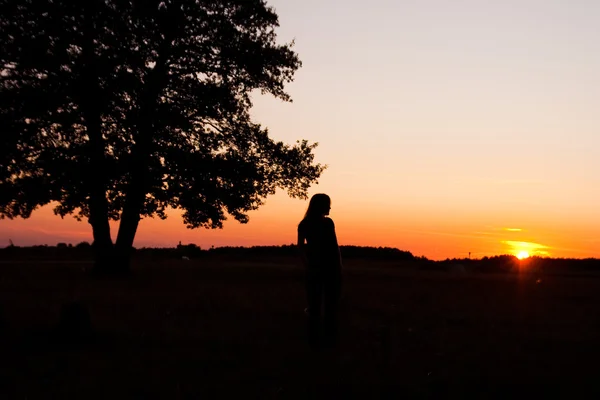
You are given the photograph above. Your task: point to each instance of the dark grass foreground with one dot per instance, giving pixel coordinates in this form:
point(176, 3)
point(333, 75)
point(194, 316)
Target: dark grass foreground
point(219, 329)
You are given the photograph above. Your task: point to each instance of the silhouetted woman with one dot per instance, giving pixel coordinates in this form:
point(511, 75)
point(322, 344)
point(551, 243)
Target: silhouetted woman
point(320, 254)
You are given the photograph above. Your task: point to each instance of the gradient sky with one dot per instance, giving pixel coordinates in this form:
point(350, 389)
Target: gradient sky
point(449, 127)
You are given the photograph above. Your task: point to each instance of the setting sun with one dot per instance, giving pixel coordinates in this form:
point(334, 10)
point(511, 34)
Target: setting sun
point(522, 255)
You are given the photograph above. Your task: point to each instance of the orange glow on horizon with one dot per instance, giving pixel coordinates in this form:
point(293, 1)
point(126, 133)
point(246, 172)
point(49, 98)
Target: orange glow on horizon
point(435, 235)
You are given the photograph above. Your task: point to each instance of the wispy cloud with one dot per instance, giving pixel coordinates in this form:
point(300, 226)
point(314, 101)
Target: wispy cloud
point(530, 245)
point(475, 235)
point(483, 233)
point(59, 232)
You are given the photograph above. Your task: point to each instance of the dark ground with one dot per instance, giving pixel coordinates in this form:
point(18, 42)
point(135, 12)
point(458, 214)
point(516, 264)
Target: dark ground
point(218, 328)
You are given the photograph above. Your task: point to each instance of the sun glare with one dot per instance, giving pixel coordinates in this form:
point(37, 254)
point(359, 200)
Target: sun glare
point(523, 250)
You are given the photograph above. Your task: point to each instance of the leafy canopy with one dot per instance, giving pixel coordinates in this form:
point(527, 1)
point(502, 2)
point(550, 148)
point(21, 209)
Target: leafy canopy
point(147, 94)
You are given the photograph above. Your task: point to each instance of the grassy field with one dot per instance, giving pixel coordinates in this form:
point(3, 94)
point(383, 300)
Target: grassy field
point(223, 328)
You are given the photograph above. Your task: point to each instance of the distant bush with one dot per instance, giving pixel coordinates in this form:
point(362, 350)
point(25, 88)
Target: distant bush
point(83, 246)
point(376, 253)
point(189, 250)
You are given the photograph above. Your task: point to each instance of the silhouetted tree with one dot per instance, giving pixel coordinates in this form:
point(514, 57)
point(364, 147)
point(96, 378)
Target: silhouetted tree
point(120, 109)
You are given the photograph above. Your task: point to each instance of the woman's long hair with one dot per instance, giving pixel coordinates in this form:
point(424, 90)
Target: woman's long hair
point(318, 206)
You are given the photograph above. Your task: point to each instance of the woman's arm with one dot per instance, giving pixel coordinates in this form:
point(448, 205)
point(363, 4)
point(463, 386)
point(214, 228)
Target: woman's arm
point(337, 246)
point(302, 247)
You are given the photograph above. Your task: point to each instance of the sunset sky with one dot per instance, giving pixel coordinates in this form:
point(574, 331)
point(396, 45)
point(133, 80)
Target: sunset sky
point(448, 127)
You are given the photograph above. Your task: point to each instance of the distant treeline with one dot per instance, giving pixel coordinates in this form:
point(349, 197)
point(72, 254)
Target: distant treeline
point(510, 263)
point(83, 250)
point(372, 253)
point(502, 263)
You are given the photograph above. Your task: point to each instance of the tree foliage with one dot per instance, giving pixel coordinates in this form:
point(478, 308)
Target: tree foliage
point(120, 109)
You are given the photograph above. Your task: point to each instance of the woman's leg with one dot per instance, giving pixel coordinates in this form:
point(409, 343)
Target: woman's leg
point(332, 291)
point(314, 295)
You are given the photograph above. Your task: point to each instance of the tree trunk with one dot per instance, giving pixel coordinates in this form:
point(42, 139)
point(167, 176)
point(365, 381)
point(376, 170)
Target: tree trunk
point(97, 180)
point(137, 188)
point(102, 246)
point(135, 198)
point(130, 219)
point(98, 219)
